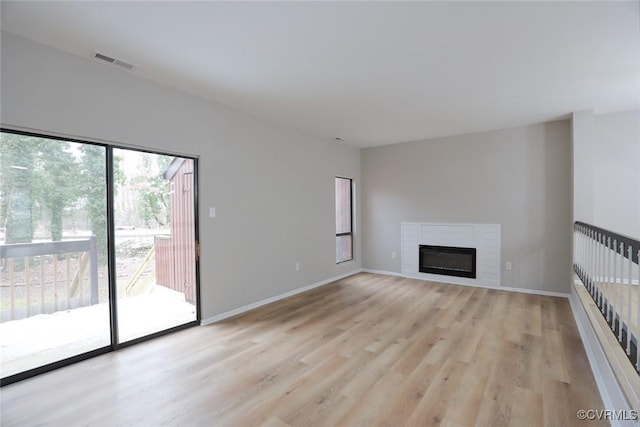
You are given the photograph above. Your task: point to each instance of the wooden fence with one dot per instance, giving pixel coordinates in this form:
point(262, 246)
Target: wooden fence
point(164, 263)
point(43, 278)
point(171, 271)
point(176, 254)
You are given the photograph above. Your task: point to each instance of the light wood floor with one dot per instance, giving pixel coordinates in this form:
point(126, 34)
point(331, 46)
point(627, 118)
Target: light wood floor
point(367, 350)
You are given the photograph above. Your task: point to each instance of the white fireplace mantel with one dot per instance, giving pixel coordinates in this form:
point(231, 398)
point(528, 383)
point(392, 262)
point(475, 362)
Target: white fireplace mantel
point(485, 238)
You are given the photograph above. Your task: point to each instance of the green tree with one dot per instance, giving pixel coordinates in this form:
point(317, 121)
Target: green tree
point(37, 176)
point(17, 170)
point(154, 190)
point(94, 189)
point(57, 183)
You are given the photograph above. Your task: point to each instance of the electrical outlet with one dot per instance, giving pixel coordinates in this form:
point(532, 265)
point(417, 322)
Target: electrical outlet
point(394, 255)
point(297, 266)
point(508, 265)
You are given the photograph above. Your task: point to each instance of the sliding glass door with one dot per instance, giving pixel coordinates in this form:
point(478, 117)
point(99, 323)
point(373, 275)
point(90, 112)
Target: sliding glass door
point(154, 242)
point(97, 249)
point(54, 297)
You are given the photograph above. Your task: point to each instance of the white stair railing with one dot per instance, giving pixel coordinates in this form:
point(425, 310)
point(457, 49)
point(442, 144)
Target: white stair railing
point(607, 264)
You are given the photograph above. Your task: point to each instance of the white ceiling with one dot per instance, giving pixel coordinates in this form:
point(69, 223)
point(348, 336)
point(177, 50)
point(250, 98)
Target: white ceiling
point(372, 73)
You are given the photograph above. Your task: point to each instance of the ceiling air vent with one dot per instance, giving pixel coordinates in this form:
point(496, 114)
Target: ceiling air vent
point(111, 60)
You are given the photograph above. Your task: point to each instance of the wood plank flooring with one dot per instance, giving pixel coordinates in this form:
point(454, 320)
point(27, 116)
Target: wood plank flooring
point(366, 350)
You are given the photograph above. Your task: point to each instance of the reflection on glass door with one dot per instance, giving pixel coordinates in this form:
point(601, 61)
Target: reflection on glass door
point(155, 242)
point(54, 298)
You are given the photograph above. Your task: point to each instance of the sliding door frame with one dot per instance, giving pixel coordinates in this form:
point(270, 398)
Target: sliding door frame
point(111, 258)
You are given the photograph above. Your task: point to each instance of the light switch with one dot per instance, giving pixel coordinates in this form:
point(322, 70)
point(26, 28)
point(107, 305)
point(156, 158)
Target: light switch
point(212, 212)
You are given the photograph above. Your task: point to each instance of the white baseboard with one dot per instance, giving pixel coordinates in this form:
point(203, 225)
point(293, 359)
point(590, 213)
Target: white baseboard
point(500, 288)
point(612, 395)
point(385, 273)
point(534, 291)
point(248, 307)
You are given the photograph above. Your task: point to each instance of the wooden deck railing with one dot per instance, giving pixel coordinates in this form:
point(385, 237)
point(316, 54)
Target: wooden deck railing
point(39, 278)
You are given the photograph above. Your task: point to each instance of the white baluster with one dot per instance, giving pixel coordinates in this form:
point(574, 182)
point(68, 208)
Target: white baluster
point(585, 252)
point(587, 255)
point(638, 318)
point(585, 248)
point(590, 270)
point(579, 250)
point(614, 286)
point(607, 276)
point(574, 261)
point(576, 250)
point(603, 295)
point(594, 268)
point(587, 260)
point(621, 288)
point(630, 296)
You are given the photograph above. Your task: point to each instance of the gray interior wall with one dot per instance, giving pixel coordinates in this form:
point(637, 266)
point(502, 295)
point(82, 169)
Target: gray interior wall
point(272, 186)
point(519, 178)
point(582, 151)
point(616, 168)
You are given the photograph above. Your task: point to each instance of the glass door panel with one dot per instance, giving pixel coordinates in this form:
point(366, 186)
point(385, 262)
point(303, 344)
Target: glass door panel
point(155, 242)
point(54, 298)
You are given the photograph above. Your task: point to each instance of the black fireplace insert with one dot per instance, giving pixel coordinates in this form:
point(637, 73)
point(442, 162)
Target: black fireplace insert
point(448, 260)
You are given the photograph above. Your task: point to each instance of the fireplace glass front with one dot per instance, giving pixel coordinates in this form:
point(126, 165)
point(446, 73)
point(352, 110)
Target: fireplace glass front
point(448, 260)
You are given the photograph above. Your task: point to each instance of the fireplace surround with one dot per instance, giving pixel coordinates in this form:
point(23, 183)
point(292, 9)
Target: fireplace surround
point(484, 238)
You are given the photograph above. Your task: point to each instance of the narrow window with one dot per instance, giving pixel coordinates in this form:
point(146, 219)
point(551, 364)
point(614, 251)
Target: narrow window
point(344, 220)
